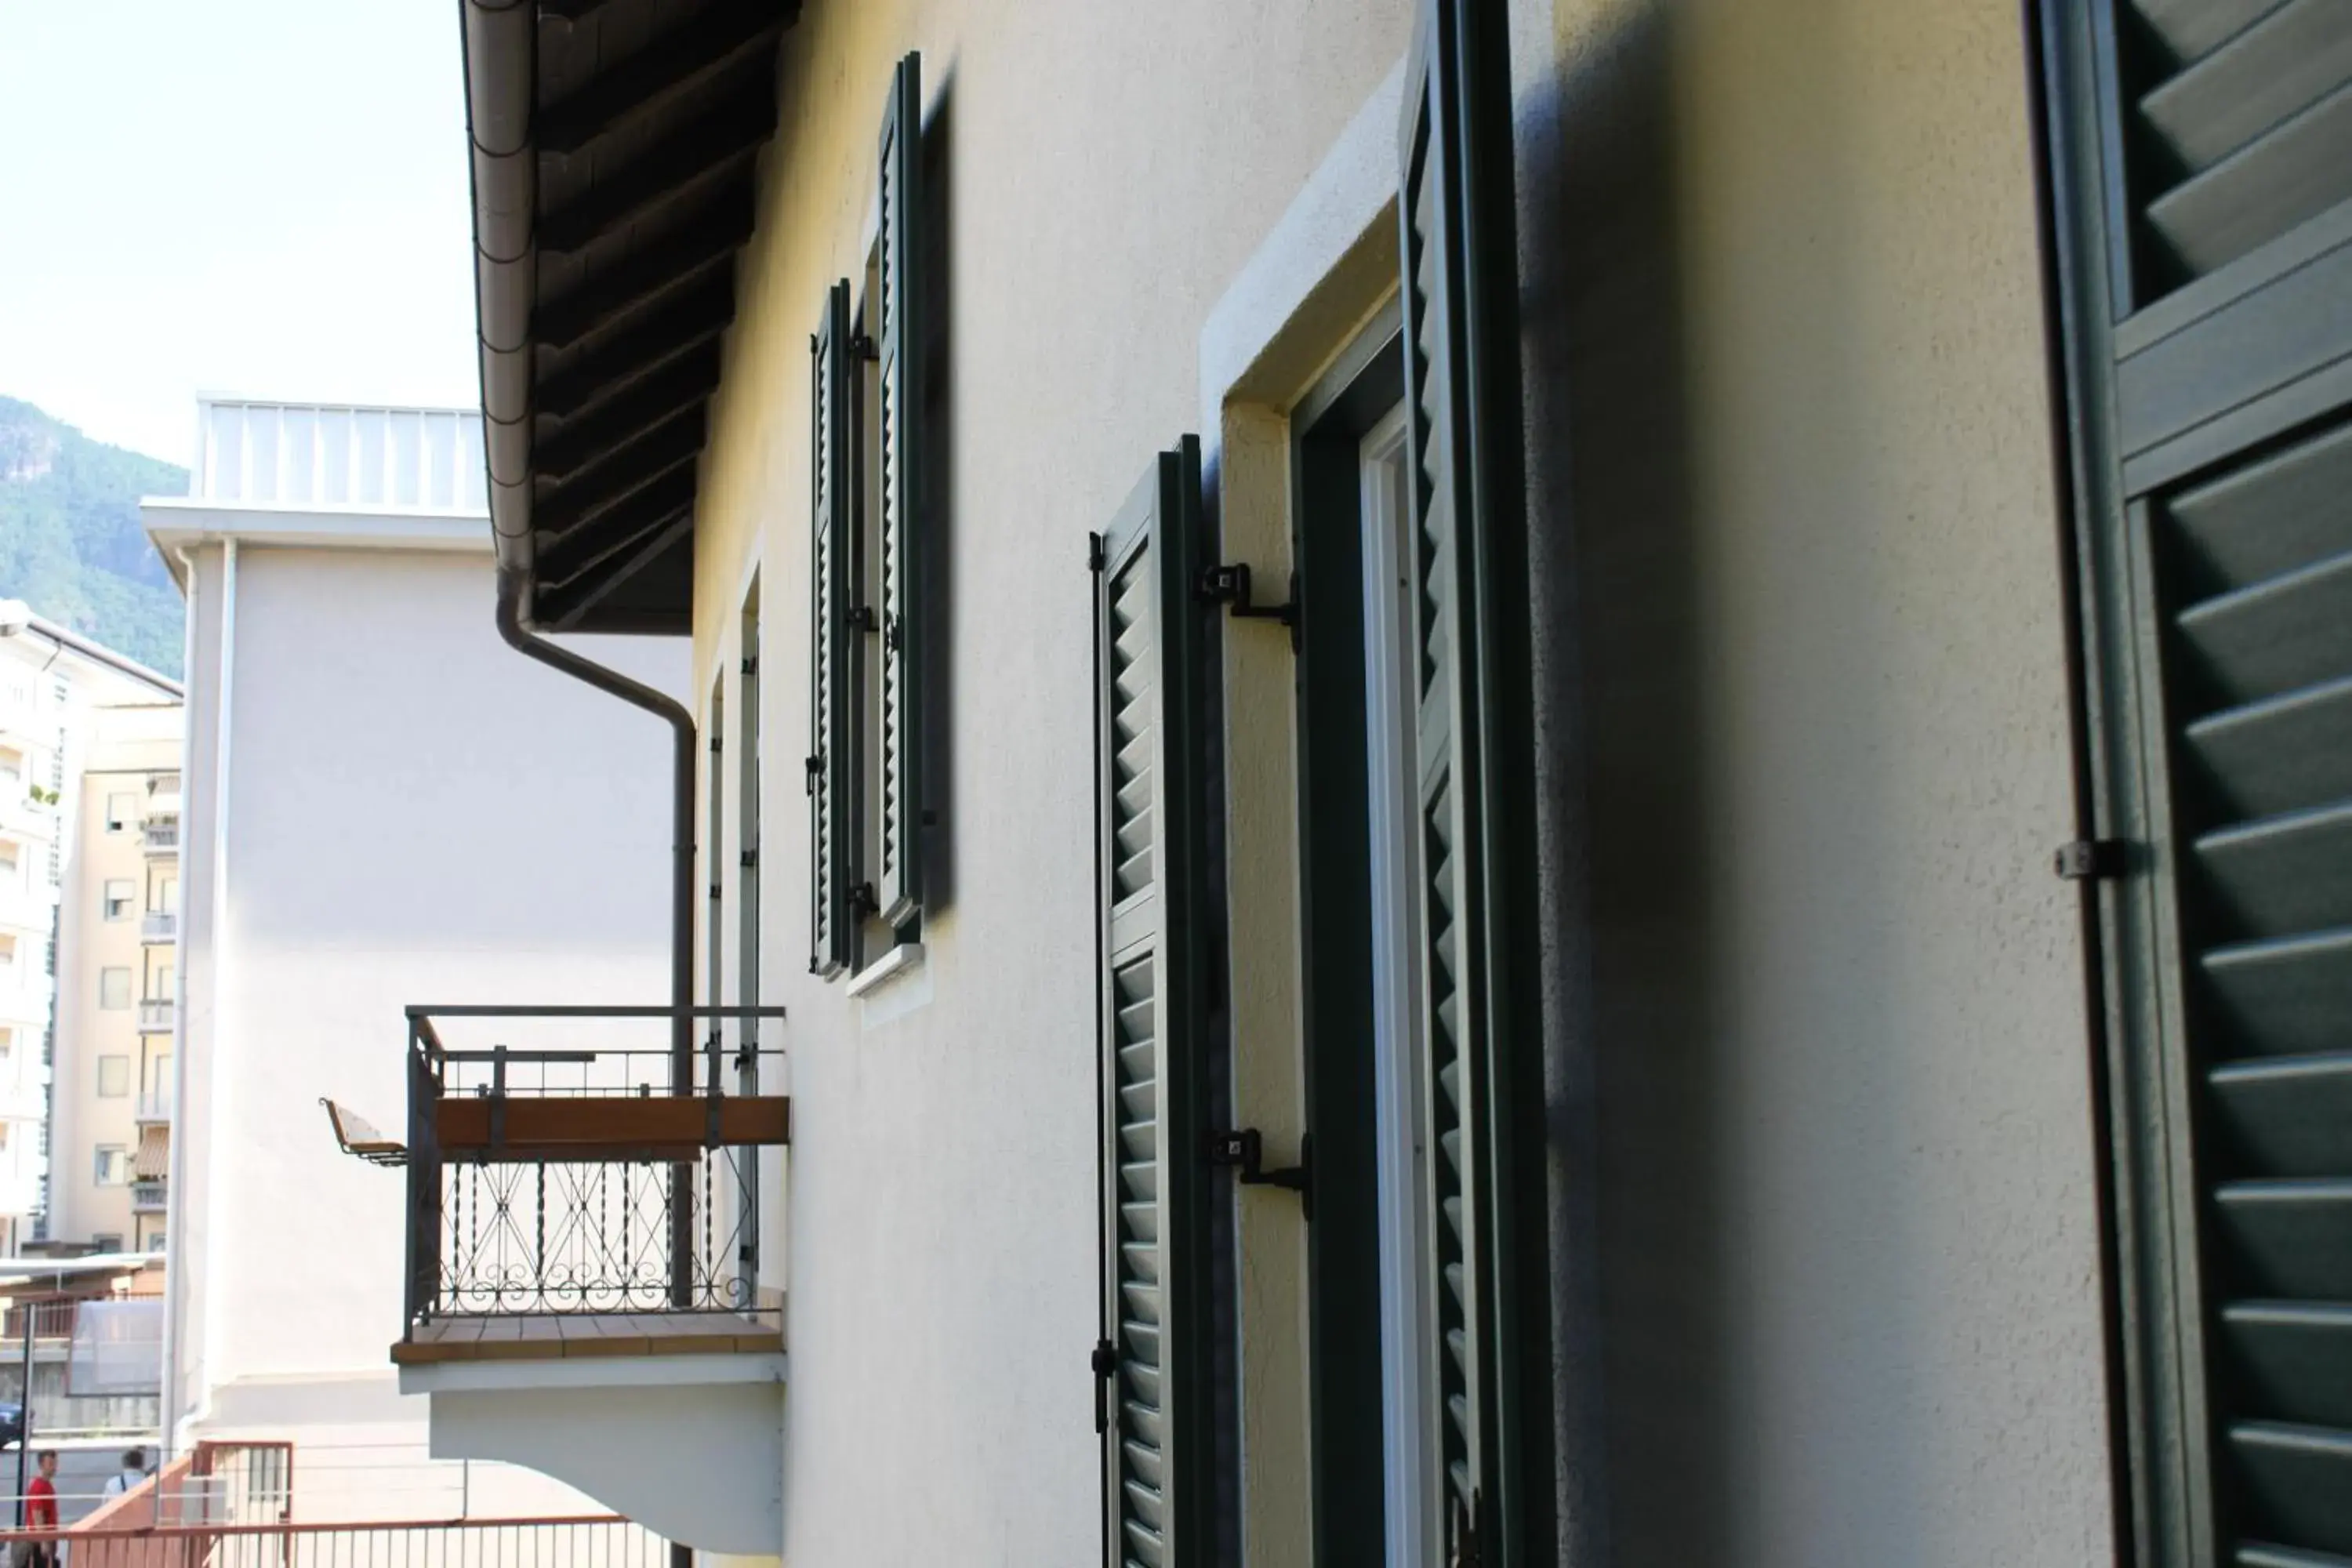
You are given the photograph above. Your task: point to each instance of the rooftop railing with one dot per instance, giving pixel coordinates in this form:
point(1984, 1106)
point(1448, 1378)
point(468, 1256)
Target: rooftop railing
point(599, 1173)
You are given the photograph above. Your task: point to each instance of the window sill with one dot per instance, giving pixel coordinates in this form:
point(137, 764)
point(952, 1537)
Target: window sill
point(902, 959)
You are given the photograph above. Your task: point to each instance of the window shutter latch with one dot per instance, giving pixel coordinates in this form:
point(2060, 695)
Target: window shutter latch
point(1105, 1362)
point(2093, 859)
point(1230, 585)
point(1243, 1151)
point(814, 768)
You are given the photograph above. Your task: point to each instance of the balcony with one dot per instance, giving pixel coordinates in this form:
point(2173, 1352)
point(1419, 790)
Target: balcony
point(27, 908)
point(160, 835)
point(149, 1196)
point(155, 1017)
point(155, 1106)
point(164, 797)
point(160, 926)
point(583, 1230)
point(26, 811)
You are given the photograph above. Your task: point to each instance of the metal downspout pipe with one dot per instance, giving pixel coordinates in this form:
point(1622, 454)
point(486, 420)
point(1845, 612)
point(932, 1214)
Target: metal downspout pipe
point(681, 892)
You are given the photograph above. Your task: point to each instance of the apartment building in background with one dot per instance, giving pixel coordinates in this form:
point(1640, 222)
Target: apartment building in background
point(352, 712)
point(118, 987)
point(69, 708)
point(1532, 780)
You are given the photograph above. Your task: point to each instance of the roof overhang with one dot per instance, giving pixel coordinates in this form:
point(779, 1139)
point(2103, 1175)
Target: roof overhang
point(615, 147)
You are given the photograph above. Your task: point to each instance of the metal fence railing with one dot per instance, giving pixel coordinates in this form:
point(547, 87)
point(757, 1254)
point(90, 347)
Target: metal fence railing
point(614, 1169)
point(593, 1540)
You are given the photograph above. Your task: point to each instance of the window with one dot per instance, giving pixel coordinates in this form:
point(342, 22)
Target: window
point(868, 426)
point(107, 1240)
point(7, 1040)
point(114, 988)
point(4, 1137)
point(122, 811)
point(119, 893)
point(112, 1169)
point(167, 895)
point(11, 858)
point(160, 988)
point(113, 1077)
point(8, 952)
point(12, 766)
point(2209, 455)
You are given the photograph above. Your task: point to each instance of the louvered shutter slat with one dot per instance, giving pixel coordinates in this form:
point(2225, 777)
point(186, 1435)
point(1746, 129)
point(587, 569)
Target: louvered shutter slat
point(2254, 109)
point(897, 880)
point(829, 706)
point(1147, 953)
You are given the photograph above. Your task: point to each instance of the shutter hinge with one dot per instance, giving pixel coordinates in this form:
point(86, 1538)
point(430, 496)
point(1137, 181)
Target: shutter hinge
point(1095, 560)
point(751, 667)
point(1104, 1363)
point(1242, 1149)
point(813, 769)
point(748, 859)
point(714, 745)
point(1230, 585)
point(2093, 859)
point(863, 347)
point(861, 618)
point(862, 901)
point(715, 893)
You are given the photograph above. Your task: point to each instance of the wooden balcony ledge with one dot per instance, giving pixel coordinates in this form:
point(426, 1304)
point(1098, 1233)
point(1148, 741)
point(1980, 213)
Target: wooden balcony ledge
point(568, 1336)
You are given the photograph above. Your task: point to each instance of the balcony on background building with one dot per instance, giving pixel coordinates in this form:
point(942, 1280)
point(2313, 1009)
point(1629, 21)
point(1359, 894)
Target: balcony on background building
point(583, 1229)
point(160, 926)
point(160, 835)
point(155, 1017)
point(155, 1105)
point(163, 797)
point(149, 1196)
point(28, 810)
point(25, 908)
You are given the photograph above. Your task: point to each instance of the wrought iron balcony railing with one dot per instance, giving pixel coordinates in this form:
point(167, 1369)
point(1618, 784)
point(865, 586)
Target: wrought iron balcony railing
point(606, 1176)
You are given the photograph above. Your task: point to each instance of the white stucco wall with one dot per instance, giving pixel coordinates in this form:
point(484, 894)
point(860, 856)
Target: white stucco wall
point(416, 813)
point(1791, 459)
point(1798, 547)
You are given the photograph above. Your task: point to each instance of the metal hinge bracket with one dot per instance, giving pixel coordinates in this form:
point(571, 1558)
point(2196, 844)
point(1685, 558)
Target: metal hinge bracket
point(751, 667)
point(1230, 585)
point(1243, 1151)
point(1094, 557)
point(748, 859)
point(863, 347)
point(814, 766)
point(861, 618)
point(863, 903)
point(2093, 859)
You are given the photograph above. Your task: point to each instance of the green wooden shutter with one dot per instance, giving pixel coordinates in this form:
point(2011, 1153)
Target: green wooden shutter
point(1150, 756)
point(1488, 1360)
point(2202, 175)
point(897, 879)
point(832, 391)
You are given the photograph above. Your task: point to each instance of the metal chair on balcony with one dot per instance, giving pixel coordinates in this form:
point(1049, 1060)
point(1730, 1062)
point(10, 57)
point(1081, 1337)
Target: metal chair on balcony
point(361, 1139)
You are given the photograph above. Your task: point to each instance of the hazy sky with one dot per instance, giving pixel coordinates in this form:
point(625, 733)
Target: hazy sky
point(257, 196)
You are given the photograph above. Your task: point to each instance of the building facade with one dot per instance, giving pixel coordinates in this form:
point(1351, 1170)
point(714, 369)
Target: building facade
point(118, 983)
point(350, 709)
point(1532, 780)
point(82, 731)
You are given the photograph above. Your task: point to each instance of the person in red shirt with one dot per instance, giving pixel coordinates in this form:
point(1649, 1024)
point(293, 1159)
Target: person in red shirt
point(40, 1513)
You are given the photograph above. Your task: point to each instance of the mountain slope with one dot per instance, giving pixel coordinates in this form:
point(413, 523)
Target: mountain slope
point(70, 544)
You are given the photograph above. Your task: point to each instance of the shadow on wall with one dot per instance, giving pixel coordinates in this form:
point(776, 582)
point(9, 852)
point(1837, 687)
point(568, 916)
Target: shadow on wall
point(1703, 585)
point(1630, 1018)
